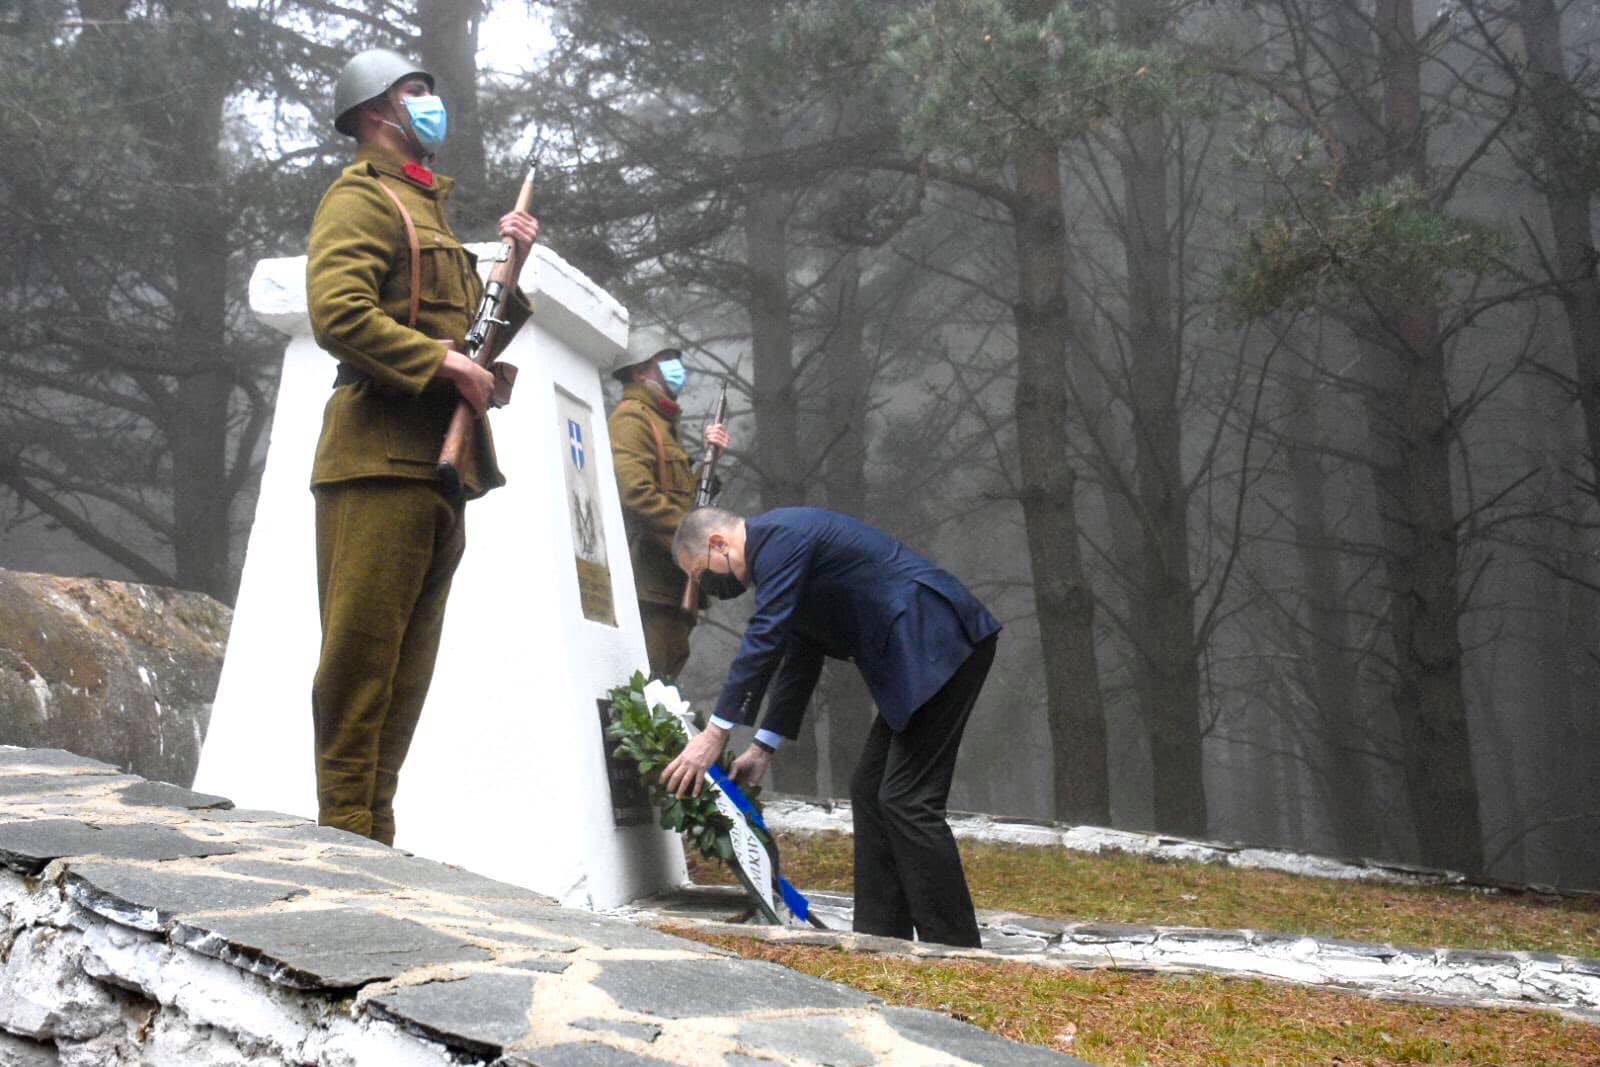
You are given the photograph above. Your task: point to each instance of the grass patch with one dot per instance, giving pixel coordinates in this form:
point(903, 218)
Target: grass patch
point(1058, 883)
point(1110, 1017)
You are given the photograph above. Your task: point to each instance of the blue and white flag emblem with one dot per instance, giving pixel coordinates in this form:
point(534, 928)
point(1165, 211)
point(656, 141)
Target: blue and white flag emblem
point(575, 443)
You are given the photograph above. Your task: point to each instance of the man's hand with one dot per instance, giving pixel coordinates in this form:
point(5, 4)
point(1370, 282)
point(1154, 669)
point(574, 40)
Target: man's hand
point(751, 766)
point(522, 228)
point(686, 775)
point(717, 434)
point(474, 383)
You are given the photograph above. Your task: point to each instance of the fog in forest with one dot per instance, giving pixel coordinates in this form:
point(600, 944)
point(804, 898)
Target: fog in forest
point(1243, 356)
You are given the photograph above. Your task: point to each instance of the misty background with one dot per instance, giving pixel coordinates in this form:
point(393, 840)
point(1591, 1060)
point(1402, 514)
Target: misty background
point(1242, 355)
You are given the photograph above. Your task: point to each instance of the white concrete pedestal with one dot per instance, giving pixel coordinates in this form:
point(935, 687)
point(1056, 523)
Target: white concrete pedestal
point(507, 773)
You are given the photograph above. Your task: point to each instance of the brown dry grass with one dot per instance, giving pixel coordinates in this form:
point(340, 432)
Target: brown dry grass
point(1057, 883)
point(1111, 1017)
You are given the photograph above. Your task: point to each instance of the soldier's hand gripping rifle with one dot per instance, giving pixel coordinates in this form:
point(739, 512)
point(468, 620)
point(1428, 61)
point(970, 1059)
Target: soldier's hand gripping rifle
point(481, 349)
point(705, 488)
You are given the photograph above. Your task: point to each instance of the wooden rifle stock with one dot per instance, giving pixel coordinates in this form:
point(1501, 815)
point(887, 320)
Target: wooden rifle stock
point(480, 344)
point(703, 490)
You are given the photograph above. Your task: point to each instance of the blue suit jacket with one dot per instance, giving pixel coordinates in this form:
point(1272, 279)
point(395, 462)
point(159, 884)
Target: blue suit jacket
point(830, 585)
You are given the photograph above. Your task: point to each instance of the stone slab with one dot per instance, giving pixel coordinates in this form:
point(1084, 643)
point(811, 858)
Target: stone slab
point(329, 948)
point(310, 833)
point(167, 795)
point(247, 815)
point(58, 759)
point(479, 1014)
point(519, 939)
point(27, 785)
point(599, 930)
point(539, 966)
point(969, 1043)
point(689, 988)
point(646, 1032)
point(30, 845)
point(821, 1039)
point(1096, 933)
point(418, 873)
point(578, 1054)
point(303, 873)
point(149, 899)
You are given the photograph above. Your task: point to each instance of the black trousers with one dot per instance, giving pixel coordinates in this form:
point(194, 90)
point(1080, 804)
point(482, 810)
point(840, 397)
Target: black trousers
point(908, 876)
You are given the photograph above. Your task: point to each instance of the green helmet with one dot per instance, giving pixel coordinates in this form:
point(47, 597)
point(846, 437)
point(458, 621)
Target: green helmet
point(644, 344)
point(369, 74)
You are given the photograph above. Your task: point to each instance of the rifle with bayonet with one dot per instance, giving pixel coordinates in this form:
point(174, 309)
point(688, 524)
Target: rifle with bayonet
point(482, 350)
point(705, 489)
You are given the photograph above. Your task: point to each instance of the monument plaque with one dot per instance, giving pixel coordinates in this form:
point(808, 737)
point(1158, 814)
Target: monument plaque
point(630, 803)
point(573, 422)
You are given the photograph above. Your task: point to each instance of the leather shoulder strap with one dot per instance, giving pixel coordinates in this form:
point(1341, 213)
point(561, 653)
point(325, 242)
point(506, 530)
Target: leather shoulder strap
point(415, 248)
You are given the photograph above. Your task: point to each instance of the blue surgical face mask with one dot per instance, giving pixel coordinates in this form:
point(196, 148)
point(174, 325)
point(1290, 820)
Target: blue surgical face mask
point(673, 374)
point(429, 121)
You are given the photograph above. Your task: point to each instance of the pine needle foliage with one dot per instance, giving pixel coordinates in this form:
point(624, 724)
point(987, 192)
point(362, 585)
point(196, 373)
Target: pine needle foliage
point(1388, 244)
point(984, 74)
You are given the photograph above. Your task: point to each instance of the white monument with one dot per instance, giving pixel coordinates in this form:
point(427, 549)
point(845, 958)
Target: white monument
point(507, 773)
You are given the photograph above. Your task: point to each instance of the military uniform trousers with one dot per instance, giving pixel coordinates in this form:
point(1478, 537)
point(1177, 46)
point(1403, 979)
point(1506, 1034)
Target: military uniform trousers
point(666, 637)
point(386, 551)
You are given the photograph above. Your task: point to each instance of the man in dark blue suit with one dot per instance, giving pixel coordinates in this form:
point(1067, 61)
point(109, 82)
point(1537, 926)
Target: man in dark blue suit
point(830, 585)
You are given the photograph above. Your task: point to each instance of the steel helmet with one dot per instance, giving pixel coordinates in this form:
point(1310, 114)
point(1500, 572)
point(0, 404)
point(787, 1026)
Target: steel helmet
point(369, 74)
point(644, 344)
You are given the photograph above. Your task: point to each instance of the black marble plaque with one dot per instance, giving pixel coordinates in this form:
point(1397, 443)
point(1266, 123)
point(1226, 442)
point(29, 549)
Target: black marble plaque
point(630, 804)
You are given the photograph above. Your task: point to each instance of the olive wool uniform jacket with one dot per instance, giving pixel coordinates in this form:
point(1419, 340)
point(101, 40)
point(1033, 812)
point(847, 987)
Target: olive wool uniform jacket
point(830, 585)
point(391, 422)
point(656, 488)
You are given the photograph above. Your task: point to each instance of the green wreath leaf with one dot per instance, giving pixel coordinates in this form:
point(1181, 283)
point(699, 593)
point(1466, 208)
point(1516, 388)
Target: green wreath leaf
point(652, 738)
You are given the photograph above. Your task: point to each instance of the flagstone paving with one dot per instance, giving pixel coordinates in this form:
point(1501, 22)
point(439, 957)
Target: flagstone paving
point(142, 923)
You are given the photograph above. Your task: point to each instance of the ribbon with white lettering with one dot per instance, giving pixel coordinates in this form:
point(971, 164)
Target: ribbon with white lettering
point(757, 853)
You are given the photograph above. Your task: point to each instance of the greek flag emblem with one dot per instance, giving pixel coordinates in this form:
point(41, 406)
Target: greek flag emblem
point(575, 443)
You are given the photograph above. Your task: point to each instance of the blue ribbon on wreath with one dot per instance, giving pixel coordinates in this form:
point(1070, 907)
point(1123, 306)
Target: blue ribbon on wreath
point(793, 899)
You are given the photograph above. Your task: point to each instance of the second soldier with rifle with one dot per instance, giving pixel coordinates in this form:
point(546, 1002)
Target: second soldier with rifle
point(391, 293)
point(657, 486)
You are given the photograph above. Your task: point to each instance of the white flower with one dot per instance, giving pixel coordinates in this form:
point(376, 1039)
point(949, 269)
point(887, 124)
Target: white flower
point(658, 692)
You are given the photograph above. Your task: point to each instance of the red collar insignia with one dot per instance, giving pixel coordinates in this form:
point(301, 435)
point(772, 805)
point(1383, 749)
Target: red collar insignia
point(419, 174)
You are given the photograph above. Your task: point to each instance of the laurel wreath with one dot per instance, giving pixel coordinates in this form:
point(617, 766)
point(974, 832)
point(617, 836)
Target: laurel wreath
point(652, 737)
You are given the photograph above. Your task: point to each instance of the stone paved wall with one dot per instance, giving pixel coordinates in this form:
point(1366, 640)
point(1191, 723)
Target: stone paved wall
point(141, 923)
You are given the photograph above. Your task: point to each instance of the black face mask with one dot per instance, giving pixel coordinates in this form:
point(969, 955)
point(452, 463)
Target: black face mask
point(721, 586)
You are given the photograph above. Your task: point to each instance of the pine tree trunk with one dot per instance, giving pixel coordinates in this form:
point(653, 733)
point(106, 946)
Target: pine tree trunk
point(1063, 600)
point(1569, 187)
point(1169, 680)
point(849, 705)
point(777, 443)
point(1333, 663)
point(1413, 433)
point(197, 428)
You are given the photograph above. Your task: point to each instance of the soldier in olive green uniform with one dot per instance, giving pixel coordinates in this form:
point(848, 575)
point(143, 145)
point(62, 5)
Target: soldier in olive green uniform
point(388, 538)
point(656, 484)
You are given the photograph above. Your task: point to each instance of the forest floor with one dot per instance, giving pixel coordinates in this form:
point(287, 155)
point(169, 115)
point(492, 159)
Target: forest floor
point(1123, 1017)
point(1117, 1017)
